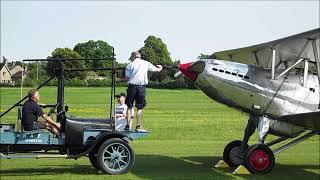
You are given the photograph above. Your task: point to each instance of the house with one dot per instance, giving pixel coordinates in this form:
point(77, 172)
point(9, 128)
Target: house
point(16, 78)
point(15, 68)
point(11, 73)
point(5, 74)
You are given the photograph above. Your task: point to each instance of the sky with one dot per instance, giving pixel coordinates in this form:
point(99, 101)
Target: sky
point(33, 29)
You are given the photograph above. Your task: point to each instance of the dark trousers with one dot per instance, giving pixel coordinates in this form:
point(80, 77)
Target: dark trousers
point(137, 94)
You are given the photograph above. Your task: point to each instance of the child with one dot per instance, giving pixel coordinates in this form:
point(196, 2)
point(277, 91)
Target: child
point(121, 113)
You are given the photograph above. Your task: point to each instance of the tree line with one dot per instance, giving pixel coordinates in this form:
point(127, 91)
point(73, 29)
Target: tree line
point(154, 51)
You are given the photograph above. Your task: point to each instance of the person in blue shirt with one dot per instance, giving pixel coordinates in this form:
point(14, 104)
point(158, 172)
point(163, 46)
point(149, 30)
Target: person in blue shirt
point(136, 74)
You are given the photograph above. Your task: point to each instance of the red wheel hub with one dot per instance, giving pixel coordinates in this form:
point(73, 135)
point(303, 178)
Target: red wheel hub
point(259, 160)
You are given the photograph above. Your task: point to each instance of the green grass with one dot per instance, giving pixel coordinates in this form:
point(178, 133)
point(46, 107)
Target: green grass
point(188, 132)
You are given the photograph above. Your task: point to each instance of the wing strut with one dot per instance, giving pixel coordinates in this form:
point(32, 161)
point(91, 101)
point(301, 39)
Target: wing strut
point(273, 62)
point(256, 58)
point(298, 60)
point(289, 68)
point(316, 56)
point(230, 56)
point(305, 74)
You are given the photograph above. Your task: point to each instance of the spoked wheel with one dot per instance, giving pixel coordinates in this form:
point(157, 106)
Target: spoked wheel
point(115, 156)
point(259, 159)
point(94, 161)
point(232, 153)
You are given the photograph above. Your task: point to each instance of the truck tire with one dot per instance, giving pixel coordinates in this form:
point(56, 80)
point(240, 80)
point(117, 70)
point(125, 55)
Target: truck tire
point(94, 161)
point(115, 156)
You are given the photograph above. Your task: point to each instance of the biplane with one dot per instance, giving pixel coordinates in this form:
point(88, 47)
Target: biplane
point(275, 83)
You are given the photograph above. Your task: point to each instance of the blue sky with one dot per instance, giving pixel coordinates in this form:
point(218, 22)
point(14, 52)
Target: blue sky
point(33, 29)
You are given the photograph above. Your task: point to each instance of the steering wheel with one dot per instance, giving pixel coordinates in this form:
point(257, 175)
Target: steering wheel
point(52, 109)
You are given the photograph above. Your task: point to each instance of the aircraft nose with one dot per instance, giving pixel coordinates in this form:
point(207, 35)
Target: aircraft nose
point(192, 69)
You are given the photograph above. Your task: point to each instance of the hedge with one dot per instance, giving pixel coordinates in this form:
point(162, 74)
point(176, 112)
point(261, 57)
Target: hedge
point(180, 83)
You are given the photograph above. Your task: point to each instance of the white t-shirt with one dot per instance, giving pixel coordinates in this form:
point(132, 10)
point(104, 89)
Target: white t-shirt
point(137, 71)
point(121, 111)
point(121, 120)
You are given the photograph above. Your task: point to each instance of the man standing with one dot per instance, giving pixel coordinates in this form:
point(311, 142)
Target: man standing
point(30, 113)
point(136, 74)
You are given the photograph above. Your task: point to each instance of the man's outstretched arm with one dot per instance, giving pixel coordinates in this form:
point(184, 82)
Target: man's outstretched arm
point(122, 79)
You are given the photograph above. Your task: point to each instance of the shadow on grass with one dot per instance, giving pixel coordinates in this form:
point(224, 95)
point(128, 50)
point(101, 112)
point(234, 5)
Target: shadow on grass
point(146, 166)
point(51, 170)
point(280, 171)
point(165, 167)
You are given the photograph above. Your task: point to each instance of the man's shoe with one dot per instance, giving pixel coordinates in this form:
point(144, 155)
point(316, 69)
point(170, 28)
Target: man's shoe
point(127, 128)
point(140, 129)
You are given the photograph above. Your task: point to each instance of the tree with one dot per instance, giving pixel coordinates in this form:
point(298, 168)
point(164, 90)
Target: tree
point(36, 73)
point(95, 49)
point(156, 52)
point(20, 63)
point(53, 65)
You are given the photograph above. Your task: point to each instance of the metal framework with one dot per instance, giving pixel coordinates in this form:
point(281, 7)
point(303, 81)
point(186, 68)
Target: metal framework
point(289, 68)
point(297, 62)
point(61, 78)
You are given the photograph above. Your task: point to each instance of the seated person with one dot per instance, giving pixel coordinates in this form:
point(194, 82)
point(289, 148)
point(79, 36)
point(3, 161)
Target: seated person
point(30, 113)
point(121, 113)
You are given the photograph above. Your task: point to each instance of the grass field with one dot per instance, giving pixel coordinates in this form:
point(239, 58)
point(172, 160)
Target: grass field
point(188, 132)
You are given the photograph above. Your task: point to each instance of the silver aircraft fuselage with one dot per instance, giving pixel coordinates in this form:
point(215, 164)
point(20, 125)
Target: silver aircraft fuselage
point(250, 88)
point(277, 87)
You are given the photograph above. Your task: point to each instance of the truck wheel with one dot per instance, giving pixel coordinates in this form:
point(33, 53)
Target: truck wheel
point(115, 156)
point(93, 160)
point(232, 153)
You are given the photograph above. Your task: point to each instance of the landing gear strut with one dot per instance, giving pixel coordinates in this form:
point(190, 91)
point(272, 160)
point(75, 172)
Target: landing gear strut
point(257, 158)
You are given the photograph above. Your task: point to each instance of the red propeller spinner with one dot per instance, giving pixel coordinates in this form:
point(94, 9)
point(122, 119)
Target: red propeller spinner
point(192, 69)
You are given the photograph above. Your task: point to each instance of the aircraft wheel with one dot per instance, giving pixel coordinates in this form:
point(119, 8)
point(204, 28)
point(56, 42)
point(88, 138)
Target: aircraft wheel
point(115, 156)
point(232, 153)
point(259, 159)
point(94, 161)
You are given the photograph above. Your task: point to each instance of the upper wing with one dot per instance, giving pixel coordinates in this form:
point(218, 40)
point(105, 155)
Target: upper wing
point(288, 50)
point(308, 120)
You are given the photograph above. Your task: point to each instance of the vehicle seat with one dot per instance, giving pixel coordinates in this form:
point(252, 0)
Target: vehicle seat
point(36, 131)
point(19, 127)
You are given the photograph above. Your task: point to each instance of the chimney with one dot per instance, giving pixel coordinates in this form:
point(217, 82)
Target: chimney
point(4, 60)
